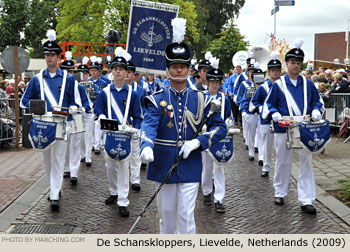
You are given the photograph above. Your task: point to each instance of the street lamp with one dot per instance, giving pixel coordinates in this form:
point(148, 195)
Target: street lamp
point(336, 63)
point(346, 62)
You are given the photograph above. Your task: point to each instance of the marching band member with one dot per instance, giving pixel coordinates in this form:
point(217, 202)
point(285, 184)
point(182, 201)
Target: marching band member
point(72, 160)
point(218, 156)
point(119, 102)
point(135, 161)
point(56, 87)
point(190, 80)
point(274, 67)
point(103, 77)
point(99, 84)
point(203, 68)
point(150, 85)
point(172, 117)
point(293, 95)
point(88, 137)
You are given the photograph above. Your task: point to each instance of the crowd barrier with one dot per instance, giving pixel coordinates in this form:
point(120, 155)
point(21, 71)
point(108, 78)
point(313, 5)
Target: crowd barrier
point(337, 108)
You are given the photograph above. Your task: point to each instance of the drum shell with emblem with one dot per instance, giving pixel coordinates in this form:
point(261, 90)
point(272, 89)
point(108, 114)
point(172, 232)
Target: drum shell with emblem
point(61, 121)
point(77, 125)
point(251, 91)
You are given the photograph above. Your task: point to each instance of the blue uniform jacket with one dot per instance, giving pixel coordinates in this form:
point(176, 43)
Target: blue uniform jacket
point(276, 100)
point(163, 126)
point(105, 78)
point(33, 90)
point(151, 87)
point(230, 81)
point(242, 98)
point(85, 100)
point(98, 85)
point(258, 100)
point(141, 93)
point(242, 77)
point(134, 116)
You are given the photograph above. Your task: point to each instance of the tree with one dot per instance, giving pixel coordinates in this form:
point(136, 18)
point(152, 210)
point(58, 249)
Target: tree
point(229, 42)
point(13, 19)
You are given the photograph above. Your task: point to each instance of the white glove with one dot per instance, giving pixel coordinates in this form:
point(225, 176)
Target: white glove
point(204, 128)
point(276, 117)
point(188, 147)
point(102, 116)
point(316, 115)
point(73, 110)
point(128, 129)
point(245, 115)
point(135, 135)
point(260, 109)
point(147, 155)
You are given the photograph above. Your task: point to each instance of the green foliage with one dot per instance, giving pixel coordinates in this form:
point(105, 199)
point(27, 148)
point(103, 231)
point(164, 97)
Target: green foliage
point(344, 190)
point(229, 42)
point(13, 17)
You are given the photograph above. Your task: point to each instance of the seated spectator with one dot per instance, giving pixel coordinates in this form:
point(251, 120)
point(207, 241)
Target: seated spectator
point(339, 85)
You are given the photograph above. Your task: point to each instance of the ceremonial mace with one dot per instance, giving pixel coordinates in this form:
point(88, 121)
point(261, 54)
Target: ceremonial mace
point(215, 105)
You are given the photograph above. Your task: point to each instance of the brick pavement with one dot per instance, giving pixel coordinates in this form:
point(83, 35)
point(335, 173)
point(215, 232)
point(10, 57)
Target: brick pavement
point(248, 201)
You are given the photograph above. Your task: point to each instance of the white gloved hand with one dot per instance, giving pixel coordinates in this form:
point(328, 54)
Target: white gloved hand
point(188, 147)
point(276, 117)
point(129, 130)
point(204, 128)
point(316, 115)
point(135, 135)
point(147, 155)
point(260, 109)
point(102, 116)
point(73, 110)
point(245, 115)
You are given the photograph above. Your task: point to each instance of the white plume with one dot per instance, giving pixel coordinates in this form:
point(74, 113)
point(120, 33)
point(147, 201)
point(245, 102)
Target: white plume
point(298, 42)
point(193, 61)
point(214, 62)
point(274, 55)
point(208, 55)
point(250, 55)
point(51, 35)
point(85, 60)
point(93, 59)
point(99, 60)
point(68, 55)
point(179, 29)
point(252, 61)
point(109, 58)
point(256, 65)
point(127, 56)
point(119, 52)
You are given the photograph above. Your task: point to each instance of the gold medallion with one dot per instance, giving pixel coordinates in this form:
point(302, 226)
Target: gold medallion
point(170, 124)
point(164, 111)
point(163, 103)
point(169, 107)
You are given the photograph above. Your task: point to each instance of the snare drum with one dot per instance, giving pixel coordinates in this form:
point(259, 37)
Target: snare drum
point(60, 120)
point(77, 124)
point(251, 91)
point(293, 137)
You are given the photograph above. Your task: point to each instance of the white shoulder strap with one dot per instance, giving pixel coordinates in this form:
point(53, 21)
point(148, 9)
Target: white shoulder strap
point(305, 94)
point(108, 94)
point(63, 88)
point(125, 119)
point(291, 104)
point(222, 105)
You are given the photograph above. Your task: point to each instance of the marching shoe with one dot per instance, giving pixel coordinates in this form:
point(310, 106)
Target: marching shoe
point(136, 187)
point(74, 181)
point(82, 160)
point(219, 208)
point(143, 166)
point(279, 201)
point(55, 205)
point(251, 158)
point(88, 163)
point(246, 147)
point(260, 162)
point(97, 151)
point(111, 199)
point(256, 150)
point(265, 174)
point(207, 199)
point(66, 174)
point(123, 211)
point(310, 209)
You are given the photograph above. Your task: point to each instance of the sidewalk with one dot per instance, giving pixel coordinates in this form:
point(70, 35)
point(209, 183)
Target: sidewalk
point(248, 201)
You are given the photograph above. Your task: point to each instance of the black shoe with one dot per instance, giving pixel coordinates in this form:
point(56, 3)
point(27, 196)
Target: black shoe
point(74, 181)
point(143, 166)
point(82, 160)
point(97, 152)
point(310, 209)
point(251, 158)
point(88, 163)
point(55, 205)
point(123, 211)
point(260, 162)
point(219, 208)
point(207, 199)
point(256, 150)
point(246, 147)
point(136, 187)
point(111, 199)
point(93, 149)
point(265, 174)
point(66, 174)
point(279, 201)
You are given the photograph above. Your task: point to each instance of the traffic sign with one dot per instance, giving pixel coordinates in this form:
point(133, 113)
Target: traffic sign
point(285, 2)
point(275, 10)
point(7, 60)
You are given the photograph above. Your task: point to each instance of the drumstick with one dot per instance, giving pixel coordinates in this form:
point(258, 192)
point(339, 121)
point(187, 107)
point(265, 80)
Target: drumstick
point(64, 107)
point(290, 120)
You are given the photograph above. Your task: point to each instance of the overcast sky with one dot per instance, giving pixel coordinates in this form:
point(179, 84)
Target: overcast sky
point(304, 19)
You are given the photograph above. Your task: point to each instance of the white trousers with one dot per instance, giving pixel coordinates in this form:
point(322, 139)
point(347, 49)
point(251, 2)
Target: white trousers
point(211, 170)
point(252, 123)
point(267, 142)
point(88, 137)
point(53, 161)
point(306, 180)
point(176, 203)
point(244, 128)
point(259, 140)
point(73, 154)
point(118, 179)
point(135, 162)
point(98, 133)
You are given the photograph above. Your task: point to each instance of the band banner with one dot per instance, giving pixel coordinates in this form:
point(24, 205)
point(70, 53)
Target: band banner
point(315, 136)
point(149, 32)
